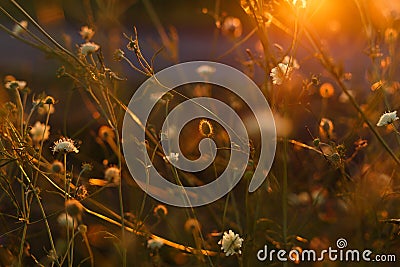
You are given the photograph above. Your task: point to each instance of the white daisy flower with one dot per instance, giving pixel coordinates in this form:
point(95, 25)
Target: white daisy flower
point(280, 73)
point(387, 118)
point(283, 70)
point(40, 132)
point(65, 145)
point(88, 48)
point(231, 243)
point(154, 243)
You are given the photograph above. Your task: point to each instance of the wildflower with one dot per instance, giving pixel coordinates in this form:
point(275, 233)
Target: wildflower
point(172, 157)
point(160, 211)
point(154, 243)
point(192, 225)
point(231, 243)
point(57, 167)
point(205, 128)
point(283, 70)
point(87, 167)
point(74, 208)
point(82, 228)
point(20, 28)
point(326, 128)
point(387, 118)
point(66, 220)
point(105, 132)
point(326, 90)
point(291, 62)
point(205, 70)
point(86, 33)
point(232, 27)
point(89, 48)
point(81, 192)
point(45, 106)
point(20, 85)
point(64, 145)
point(113, 175)
point(40, 132)
point(118, 55)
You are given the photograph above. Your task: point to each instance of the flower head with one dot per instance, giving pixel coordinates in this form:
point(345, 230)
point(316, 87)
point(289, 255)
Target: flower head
point(66, 220)
point(15, 84)
point(205, 71)
point(40, 132)
point(113, 175)
point(232, 27)
point(231, 243)
point(387, 118)
point(283, 70)
point(86, 33)
point(65, 145)
point(89, 48)
point(57, 167)
point(154, 243)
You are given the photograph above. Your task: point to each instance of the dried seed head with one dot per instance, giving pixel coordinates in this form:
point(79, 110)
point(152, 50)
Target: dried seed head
point(74, 208)
point(326, 128)
point(105, 132)
point(113, 175)
point(326, 90)
point(232, 27)
point(57, 167)
point(192, 225)
point(160, 211)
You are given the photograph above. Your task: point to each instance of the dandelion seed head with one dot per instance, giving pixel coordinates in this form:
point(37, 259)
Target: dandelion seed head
point(66, 220)
point(112, 174)
point(231, 243)
point(64, 145)
point(154, 243)
point(57, 167)
point(74, 208)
